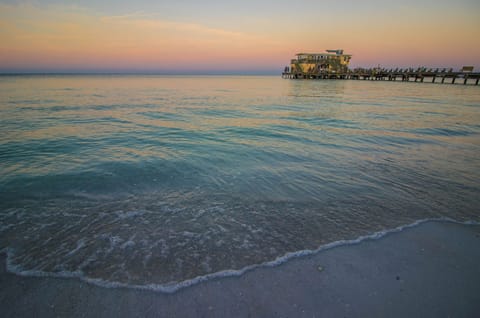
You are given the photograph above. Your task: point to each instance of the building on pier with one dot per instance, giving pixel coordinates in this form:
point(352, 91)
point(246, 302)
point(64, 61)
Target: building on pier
point(332, 61)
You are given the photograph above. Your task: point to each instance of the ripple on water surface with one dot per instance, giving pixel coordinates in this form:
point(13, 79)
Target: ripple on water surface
point(144, 180)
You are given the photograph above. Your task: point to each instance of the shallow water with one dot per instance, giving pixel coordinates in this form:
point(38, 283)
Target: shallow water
point(143, 180)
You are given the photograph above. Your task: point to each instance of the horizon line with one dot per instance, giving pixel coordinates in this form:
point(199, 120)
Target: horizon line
point(193, 73)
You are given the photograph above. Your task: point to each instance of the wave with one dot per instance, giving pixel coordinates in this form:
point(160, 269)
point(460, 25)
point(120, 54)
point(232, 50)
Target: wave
point(173, 287)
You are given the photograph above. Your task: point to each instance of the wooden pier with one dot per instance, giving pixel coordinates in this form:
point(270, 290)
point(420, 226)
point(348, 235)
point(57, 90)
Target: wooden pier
point(421, 75)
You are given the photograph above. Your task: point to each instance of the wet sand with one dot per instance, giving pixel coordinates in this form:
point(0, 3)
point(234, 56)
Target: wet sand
point(430, 270)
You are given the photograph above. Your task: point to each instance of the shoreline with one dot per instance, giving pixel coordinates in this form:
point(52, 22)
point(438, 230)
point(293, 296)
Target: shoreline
point(429, 269)
point(173, 287)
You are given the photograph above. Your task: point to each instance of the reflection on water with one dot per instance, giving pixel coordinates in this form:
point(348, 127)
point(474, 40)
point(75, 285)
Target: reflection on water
point(151, 179)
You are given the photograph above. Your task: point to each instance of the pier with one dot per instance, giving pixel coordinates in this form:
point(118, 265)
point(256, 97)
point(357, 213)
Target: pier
point(333, 64)
point(420, 75)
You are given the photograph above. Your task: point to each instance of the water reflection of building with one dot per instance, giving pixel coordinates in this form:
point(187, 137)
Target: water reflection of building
point(333, 61)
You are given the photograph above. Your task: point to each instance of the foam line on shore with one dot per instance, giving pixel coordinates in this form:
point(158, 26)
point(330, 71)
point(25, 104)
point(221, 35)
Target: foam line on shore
point(175, 286)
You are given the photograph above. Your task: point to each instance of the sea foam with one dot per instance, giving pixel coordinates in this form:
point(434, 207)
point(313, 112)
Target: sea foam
point(172, 287)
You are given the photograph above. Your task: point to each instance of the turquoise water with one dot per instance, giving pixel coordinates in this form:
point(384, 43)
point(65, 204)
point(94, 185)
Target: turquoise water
point(151, 180)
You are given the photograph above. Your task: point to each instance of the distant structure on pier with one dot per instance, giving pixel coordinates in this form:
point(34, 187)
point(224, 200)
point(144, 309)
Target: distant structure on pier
point(333, 61)
point(333, 64)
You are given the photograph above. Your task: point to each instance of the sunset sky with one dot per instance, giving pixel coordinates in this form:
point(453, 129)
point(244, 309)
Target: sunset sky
point(249, 36)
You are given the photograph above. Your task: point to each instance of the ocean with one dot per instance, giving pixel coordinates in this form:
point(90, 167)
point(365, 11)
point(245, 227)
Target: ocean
point(160, 182)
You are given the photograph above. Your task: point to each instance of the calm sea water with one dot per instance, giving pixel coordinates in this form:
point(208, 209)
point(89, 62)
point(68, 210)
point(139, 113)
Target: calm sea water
point(154, 181)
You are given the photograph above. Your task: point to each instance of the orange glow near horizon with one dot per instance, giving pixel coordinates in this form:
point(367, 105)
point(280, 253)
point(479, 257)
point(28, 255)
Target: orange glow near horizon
point(71, 38)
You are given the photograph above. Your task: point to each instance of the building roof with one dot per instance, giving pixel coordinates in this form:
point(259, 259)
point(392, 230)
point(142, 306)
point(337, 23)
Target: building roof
point(337, 52)
point(322, 54)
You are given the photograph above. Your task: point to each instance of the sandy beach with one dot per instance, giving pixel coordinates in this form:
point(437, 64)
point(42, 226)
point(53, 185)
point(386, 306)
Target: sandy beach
point(430, 270)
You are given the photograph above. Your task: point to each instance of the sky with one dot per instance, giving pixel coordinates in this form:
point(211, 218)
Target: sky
point(241, 37)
